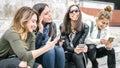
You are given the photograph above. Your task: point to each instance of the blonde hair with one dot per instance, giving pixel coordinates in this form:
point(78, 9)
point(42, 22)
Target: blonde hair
point(20, 19)
point(106, 13)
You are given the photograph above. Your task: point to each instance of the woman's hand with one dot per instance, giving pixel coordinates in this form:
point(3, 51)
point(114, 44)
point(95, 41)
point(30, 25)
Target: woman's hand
point(108, 45)
point(39, 66)
point(61, 42)
point(50, 44)
point(85, 48)
point(103, 41)
point(23, 64)
point(40, 25)
point(77, 50)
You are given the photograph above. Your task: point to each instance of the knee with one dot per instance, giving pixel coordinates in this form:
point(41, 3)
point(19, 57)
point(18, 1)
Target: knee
point(59, 49)
point(91, 47)
point(50, 53)
point(14, 64)
point(77, 57)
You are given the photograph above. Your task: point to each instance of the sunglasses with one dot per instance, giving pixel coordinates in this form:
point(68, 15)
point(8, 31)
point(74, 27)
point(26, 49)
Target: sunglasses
point(75, 10)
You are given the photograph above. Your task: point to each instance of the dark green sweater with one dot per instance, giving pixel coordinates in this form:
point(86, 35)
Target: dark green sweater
point(10, 44)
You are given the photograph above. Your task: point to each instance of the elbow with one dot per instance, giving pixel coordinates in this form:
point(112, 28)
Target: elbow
point(27, 56)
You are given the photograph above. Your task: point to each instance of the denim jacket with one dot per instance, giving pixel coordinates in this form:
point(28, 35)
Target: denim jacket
point(41, 38)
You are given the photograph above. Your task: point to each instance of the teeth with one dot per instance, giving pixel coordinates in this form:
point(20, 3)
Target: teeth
point(75, 16)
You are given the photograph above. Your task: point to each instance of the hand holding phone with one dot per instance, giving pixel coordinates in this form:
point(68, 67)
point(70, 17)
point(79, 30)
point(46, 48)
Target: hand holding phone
point(81, 45)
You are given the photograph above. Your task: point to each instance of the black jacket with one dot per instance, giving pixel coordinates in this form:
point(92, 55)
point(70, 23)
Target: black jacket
point(78, 39)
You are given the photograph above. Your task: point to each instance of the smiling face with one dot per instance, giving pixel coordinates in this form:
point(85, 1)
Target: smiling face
point(46, 15)
point(74, 13)
point(102, 23)
point(31, 24)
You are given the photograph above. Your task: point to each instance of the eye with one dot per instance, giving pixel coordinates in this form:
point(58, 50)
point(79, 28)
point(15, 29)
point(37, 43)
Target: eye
point(103, 22)
point(34, 21)
point(46, 13)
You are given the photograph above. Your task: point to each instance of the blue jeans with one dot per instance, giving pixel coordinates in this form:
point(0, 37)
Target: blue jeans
point(12, 62)
point(54, 58)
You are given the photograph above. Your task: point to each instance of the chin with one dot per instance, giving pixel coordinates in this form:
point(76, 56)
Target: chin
point(49, 22)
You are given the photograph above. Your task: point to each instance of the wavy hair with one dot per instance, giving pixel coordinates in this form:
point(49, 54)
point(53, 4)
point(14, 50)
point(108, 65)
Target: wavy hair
point(21, 17)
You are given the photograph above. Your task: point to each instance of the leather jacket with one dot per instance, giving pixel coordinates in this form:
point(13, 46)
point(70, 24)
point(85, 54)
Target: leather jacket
point(78, 39)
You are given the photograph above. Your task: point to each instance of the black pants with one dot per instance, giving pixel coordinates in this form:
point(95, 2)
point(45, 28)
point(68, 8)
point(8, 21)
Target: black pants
point(76, 59)
point(12, 63)
point(94, 53)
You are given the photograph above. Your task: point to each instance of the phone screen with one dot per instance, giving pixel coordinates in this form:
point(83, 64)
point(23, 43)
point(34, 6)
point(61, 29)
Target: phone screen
point(81, 45)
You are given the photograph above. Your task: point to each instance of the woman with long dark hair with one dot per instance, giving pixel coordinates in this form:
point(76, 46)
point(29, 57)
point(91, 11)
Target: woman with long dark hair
point(47, 28)
point(74, 33)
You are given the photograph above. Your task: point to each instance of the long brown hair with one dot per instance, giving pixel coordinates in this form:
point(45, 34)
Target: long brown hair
point(66, 29)
point(39, 7)
point(21, 17)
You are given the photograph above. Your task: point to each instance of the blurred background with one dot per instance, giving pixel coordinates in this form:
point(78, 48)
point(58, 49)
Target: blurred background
point(58, 9)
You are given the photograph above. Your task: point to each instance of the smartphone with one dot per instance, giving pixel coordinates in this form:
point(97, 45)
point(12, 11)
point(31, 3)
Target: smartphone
point(81, 45)
point(110, 39)
point(62, 38)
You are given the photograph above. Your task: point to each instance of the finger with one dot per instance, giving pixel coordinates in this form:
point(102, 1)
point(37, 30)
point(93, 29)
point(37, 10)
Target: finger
point(57, 38)
point(49, 39)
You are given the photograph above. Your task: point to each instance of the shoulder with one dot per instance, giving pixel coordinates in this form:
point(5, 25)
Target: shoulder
point(10, 33)
point(85, 25)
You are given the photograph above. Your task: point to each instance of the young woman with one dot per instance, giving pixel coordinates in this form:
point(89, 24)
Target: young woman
point(17, 48)
point(74, 33)
point(97, 43)
point(46, 28)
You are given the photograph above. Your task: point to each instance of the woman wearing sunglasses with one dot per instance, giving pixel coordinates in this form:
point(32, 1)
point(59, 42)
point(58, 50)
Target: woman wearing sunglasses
point(74, 33)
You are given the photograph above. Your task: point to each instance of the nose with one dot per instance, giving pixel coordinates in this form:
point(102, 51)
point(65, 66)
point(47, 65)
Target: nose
point(49, 14)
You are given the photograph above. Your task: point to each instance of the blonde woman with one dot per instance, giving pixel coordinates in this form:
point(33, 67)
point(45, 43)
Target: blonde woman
point(17, 45)
point(97, 40)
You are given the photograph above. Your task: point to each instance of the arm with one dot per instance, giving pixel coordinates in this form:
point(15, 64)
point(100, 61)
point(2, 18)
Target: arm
point(38, 40)
point(91, 39)
point(49, 45)
point(17, 46)
point(85, 33)
point(24, 55)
